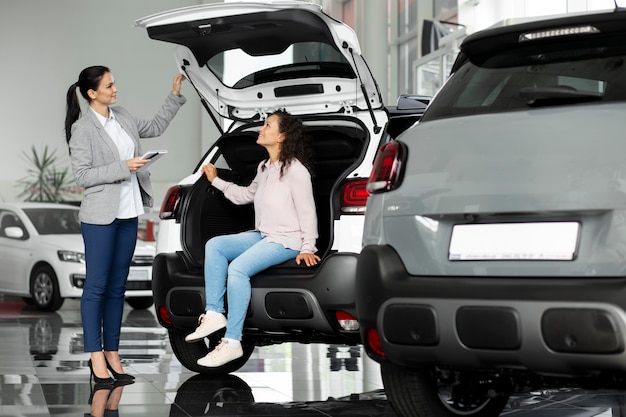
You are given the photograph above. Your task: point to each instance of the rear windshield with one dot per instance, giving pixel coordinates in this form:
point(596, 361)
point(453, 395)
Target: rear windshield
point(237, 69)
point(536, 75)
point(54, 221)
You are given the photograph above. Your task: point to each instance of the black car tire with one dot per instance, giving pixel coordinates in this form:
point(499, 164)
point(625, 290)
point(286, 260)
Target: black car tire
point(422, 393)
point(189, 353)
point(199, 392)
point(44, 287)
point(140, 303)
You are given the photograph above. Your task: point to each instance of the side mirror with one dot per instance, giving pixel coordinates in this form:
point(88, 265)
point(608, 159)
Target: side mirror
point(14, 232)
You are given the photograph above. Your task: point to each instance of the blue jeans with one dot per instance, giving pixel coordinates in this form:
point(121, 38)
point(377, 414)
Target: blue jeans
point(109, 250)
point(248, 254)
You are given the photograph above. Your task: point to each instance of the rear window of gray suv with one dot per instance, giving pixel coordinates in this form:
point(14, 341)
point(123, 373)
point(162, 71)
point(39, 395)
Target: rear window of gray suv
point(536, 74)
point(546, 132)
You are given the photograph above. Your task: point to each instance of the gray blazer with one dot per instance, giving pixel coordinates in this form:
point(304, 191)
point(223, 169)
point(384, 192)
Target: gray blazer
point(96, 164)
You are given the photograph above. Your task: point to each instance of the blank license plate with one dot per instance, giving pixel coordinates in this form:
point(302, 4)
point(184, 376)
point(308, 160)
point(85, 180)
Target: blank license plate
point(138, 275)
point(514, 241)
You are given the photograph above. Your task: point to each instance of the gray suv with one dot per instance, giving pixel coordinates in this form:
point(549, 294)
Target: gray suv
point(494, 257)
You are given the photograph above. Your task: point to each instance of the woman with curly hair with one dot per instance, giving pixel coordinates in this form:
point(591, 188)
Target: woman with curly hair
point(285, 228)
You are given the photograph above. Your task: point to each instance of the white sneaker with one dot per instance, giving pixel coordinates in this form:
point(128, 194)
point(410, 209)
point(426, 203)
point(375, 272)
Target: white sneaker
point(208, 325)
point(222, 354)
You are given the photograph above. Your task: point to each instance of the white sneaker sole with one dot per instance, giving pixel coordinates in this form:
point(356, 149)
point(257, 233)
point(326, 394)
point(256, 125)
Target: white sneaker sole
point(196, 336)
point(209, 362)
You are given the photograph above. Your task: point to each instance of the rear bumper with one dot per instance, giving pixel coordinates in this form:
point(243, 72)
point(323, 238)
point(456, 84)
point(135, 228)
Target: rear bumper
point(542, 324)
point(289, 302)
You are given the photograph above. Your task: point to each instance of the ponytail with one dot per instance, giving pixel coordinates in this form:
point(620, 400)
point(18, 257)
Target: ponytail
point(89, 79)
point(73, 110)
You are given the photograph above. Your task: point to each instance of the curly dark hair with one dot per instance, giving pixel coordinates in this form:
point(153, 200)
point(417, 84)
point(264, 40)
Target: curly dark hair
point(296, 144)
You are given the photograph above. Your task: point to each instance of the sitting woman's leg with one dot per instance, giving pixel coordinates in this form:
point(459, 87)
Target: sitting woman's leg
point(218, 252)
point(259, 257)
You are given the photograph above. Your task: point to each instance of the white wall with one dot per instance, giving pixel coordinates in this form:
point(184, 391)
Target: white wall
point(45, 44)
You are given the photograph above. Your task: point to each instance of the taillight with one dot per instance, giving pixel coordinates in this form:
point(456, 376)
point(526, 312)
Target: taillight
point(354, 197)
point(387, 167)
point(373, 341)
point(164, 316)
point(169, 206)
point(346, 321)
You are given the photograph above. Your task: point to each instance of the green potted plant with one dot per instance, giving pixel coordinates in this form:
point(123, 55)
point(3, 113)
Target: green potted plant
point(45, 180)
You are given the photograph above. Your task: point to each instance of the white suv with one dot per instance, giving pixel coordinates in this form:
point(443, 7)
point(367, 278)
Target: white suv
point(245, 60)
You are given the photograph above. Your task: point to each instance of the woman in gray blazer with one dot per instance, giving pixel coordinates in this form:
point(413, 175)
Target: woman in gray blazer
point(105, 156)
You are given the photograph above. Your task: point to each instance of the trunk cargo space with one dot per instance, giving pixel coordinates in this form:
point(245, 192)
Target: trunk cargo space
point(207, 213)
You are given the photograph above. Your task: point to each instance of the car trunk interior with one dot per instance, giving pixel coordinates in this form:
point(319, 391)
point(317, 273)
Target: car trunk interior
point(207, 213)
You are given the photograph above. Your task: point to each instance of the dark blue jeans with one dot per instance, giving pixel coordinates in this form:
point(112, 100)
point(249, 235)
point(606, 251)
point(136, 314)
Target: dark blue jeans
point(108, 252)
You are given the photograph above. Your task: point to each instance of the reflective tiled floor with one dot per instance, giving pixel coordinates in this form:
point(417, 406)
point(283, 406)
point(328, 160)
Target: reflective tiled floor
point(43, 372)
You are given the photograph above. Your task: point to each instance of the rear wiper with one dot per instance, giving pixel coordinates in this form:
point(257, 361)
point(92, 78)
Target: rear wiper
point(556, 95)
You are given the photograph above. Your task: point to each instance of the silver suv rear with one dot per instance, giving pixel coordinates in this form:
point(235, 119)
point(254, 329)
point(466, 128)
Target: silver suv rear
point(494, 256)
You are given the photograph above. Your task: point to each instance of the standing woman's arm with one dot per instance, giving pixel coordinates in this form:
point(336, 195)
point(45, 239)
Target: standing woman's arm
point(173, 102)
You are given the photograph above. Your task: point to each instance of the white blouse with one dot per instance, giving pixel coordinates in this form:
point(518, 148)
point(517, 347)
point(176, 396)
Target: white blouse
point(130, 196)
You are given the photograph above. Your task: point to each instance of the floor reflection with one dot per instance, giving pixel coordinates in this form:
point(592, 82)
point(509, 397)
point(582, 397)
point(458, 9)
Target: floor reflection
point(43, 372)
point(231, 395)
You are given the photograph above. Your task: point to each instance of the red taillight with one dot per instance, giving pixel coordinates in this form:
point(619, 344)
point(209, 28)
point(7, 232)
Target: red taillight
point(354, 196)
point(385, 174)
point(163, 315)
point(373, 341)
point(346, 321)
point(169, 206)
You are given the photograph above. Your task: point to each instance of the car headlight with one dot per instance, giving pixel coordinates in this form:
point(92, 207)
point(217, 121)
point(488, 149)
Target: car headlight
point(69, 256)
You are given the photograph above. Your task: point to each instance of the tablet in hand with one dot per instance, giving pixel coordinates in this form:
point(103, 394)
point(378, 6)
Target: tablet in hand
point(151, 156)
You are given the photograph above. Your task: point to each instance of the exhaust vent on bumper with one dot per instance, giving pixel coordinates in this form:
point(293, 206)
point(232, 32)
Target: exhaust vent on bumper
point(488, 328)
point(585, 330)
point(287, 305)
point(186, 303)
point(406, 324)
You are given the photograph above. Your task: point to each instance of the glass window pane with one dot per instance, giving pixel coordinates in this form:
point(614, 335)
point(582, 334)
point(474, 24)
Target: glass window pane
point(238, 69)
point(406, 58)
point(444, 8)
point(429, 77)
point(407, 16)
point(539, 75)
point(348, 11)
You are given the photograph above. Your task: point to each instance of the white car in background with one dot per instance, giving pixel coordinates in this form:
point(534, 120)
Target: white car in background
point(42, 256)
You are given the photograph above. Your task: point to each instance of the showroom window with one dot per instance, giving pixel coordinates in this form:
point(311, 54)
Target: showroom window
point(407, 54)
point(407, 16)
point(348, 13)
point(445, 9)
point(407, 44)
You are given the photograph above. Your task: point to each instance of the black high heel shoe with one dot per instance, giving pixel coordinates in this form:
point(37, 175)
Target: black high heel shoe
point(116, 376)
point(122, 382)
point(99, 380)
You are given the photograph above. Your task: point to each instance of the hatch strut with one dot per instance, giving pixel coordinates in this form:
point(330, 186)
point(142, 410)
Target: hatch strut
point(363, 90)
point(202, 100)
